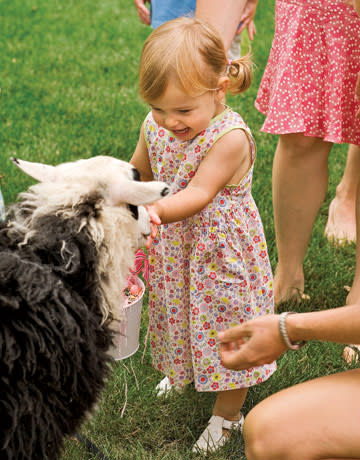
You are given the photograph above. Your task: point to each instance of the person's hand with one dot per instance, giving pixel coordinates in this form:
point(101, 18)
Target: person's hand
point(253, 343)
point(143, 12)
point(247, 19)
point(357, 6)
point(357, 94)
point(354, 3)
point(155, 221)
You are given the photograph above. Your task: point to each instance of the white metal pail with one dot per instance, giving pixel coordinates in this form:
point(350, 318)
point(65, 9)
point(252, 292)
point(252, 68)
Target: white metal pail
point(126, 340)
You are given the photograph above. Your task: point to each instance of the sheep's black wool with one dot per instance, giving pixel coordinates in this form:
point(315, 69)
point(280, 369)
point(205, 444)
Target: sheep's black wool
point(53, 342)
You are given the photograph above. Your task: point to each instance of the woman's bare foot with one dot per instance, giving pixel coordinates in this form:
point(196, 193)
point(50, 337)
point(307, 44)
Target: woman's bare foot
point(354, 294)
point(351, 352)
point(293, 295)
point(341, 225)
point(286, 290)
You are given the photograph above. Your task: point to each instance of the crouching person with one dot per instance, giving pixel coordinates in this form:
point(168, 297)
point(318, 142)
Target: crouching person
point(318, 419)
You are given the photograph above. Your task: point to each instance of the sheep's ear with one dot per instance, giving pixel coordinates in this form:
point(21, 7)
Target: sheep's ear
point(137, 193)
point(38, 171)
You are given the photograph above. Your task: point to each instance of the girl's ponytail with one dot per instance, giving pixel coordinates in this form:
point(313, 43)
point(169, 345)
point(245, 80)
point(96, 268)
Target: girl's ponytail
point(240, 72)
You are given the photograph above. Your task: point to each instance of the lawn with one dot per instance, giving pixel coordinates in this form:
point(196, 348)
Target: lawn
point(68, 90)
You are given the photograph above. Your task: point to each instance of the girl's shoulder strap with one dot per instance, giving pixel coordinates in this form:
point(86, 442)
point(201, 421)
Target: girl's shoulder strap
point(148, 119)
point(229, 120)
point(149, 127)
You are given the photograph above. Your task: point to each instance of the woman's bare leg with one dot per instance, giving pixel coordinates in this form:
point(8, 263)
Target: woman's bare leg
point(354, 294)
point(315, 420)
point(341, 224)
point(300, 178)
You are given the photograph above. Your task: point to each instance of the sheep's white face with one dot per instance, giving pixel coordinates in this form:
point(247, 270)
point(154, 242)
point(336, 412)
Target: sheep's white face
point(117, 180)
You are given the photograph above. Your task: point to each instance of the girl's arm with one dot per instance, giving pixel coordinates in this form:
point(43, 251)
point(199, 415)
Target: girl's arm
point(140, 158)
point(141, 161)
point(258, 341)
point(225, 163)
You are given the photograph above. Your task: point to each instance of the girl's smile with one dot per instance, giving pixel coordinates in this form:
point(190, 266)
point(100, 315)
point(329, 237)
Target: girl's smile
point(181, 133)
point(183, 115)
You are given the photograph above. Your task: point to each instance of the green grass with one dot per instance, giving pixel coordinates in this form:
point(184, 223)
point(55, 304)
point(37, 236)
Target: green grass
point(68, 79)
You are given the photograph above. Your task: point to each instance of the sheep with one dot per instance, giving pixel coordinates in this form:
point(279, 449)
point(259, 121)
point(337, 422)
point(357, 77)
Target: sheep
point(66, 248)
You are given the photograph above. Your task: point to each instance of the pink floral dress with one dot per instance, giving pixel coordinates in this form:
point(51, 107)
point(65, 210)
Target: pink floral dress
point(309, 82)
point(208, 272)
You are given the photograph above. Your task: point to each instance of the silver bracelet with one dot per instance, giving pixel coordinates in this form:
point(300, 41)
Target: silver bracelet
point(284, 334)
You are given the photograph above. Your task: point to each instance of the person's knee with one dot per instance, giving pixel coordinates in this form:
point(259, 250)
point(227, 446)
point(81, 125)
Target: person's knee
point(300, 145)
point(257, 435)
point(264, 435)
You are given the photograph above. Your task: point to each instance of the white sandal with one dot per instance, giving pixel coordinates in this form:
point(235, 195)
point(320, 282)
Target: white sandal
point(164, 387)
point(212, 437)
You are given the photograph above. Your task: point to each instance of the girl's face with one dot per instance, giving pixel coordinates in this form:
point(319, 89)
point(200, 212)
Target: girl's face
point(183, 115)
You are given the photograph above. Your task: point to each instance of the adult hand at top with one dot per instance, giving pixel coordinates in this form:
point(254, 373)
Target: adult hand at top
point(357, 94)
point(354, 3)
point(143, 11)
point(247, 18)
point(253, 343)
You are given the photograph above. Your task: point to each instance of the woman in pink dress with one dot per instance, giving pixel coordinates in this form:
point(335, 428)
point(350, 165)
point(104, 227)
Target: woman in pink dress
point(307, 95)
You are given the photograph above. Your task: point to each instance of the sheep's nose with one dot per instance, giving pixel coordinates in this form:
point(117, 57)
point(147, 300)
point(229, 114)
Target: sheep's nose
point(165, 191)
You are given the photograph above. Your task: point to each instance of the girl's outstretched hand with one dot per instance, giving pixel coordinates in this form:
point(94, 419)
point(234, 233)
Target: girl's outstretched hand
point(253, 343)
point(155, 221)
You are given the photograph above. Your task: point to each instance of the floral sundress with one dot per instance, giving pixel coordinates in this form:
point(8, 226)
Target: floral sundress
point(208, 272)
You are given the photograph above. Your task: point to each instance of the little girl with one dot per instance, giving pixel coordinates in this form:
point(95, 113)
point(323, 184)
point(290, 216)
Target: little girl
point(209, 267)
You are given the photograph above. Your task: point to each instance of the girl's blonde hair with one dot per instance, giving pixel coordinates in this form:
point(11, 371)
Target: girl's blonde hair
point(192, 52)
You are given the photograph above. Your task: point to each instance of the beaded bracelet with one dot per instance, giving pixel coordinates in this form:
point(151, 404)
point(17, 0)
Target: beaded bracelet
point(284, 334)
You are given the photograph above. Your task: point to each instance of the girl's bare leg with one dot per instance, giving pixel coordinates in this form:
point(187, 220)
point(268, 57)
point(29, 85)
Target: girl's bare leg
point(228, 404)
point(300, 177)
point(316, 420)
point(341, 224)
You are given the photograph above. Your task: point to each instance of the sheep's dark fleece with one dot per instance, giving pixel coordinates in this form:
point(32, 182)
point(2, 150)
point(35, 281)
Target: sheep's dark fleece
point(52, 341)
